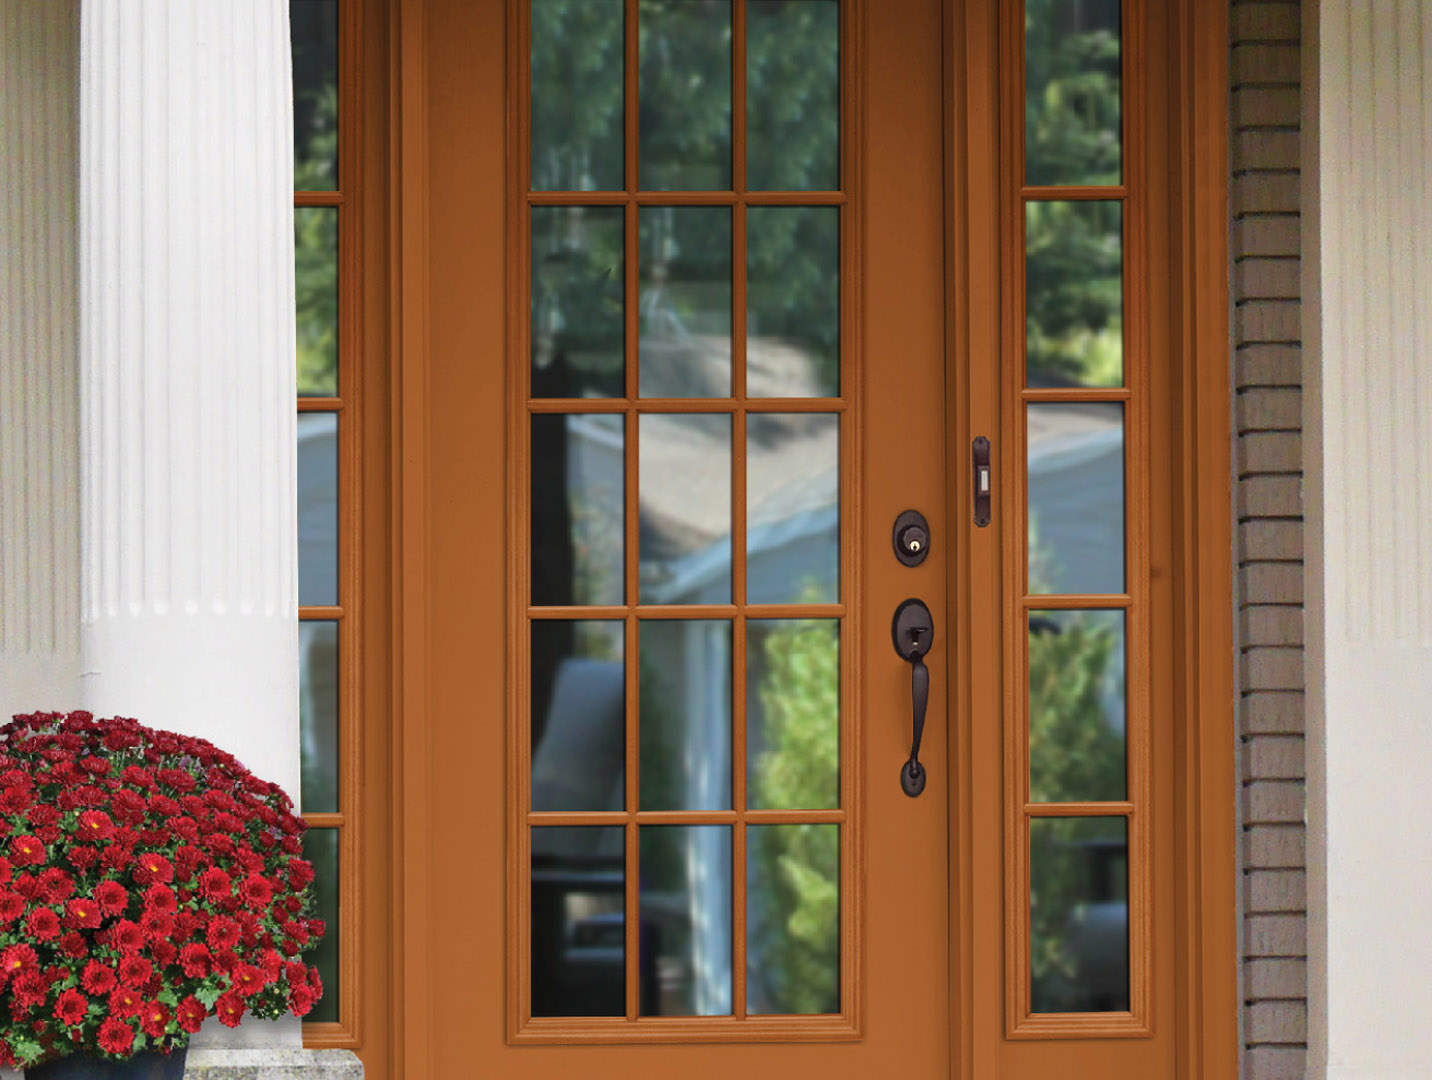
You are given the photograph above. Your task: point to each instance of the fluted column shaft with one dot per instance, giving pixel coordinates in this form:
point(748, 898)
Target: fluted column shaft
point(39, 400)
point(187, 382)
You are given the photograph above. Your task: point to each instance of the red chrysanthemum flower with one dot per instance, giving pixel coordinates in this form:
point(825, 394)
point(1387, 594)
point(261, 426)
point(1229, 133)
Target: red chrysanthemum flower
point(160, 898)
point(196, 960)
point(300, 873)
point(6, 872)
point(56, 886)
point(256, 891)
point(163, 952)
point(43, 924)
point(12, 906)
point(111, 896)
point(82, 913)
point(154, 1018)
point(29, 988)
point(98, 978)
point(71, 1007)
point(18, 959)
point(82, 857)
point(190, 1014)
point(156, 925)
point(150, 868)
point(214, 884)
point(247, 980)
point(96, 824)
point(126, 936)
point(223, 933)
point(134, 970)
point(27, 850)
point(125, 1001)
point(115, 1036)
point(74, 945)
point(229, 1009)
point(300, 1000)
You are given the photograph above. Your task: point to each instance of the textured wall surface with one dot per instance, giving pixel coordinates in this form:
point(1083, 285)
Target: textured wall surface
point(39, 396)
point(1266, 103)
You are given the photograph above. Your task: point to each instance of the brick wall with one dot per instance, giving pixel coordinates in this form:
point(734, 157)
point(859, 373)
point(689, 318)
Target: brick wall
point(1267, 374)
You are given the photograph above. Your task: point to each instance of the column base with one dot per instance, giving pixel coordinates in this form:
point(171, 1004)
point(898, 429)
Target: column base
point(272, 1064)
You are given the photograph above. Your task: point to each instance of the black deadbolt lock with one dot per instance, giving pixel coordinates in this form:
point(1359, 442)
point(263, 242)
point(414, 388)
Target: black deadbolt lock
point(911, 537)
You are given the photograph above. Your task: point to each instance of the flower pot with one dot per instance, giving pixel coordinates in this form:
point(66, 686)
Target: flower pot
point(145, 1065)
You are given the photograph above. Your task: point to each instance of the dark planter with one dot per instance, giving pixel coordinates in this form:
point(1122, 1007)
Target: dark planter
point(146, 1065)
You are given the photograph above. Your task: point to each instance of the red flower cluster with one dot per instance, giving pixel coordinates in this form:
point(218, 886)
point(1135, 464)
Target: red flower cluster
point(147, 881)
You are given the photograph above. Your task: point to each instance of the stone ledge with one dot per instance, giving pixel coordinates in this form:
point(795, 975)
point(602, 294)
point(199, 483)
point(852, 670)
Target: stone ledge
point(272, 1064)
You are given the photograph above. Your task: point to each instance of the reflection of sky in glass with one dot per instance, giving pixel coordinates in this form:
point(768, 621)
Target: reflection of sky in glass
point(792, 508)
point(686, 920)
point(318, 509)
point(685, 514)
point(1076, 498)
point(318, 714)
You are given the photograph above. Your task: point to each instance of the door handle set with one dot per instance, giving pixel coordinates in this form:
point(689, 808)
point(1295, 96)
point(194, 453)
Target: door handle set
point(913, 629)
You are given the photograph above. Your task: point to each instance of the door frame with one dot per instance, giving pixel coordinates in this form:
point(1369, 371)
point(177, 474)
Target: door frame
point(1206, 1022)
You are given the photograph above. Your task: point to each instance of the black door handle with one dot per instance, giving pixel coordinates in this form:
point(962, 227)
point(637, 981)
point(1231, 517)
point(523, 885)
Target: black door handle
point(914, 632)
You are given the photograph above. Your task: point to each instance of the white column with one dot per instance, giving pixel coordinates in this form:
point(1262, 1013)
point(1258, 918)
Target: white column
point(1369, 507)
point(39, 402)
point(187, 379)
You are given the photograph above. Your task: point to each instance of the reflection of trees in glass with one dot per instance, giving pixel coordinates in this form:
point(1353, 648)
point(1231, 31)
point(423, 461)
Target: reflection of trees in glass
point(315, 249)
point(1072, 91)
point(577, 292)
point(1076, 754)
point(793, 263)
point(685, 94)
point(576, 95)
point(796, 941)
point(314, 29)
point(1074, 277)
point(793, 95)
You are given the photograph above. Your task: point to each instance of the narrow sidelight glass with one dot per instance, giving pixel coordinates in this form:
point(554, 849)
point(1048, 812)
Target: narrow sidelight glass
point(315, 265)
point(579, 921)
point(684, 489)
point(577, 95)
point(1072, 104)
point(320, 847)
point(685, 904)
point(1076, 497)
point(577, 515)
point(317, 509)
point(313, 29)
point(578, 329)
point(1079, 914)
point(792, 919)
point(1077, 723)
point(685, 740)
point(793, 714)
point(685, 95)
point(793, 95)
point(793, 301)
point(578, 715)
point(792, 508)
point(685, 301)
point(1074, 273)
point(318, 693)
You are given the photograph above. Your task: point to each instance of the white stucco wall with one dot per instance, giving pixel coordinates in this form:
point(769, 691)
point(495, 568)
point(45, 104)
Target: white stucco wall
point(1368, 323)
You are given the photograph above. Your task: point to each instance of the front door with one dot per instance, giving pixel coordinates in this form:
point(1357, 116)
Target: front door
point(799, 647)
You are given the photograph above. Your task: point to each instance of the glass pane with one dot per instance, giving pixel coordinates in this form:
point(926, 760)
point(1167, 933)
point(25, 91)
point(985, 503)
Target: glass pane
point(313, 30)
point(685, 301)
point(577, 508)
point(318, 715)
point(792, 919)
point(685, 95)
point(793, 714)
point(1071, 110)
point(577, 294)
point(577, 93)
point(793, 301)
point(685, 920)
point(685, 714)
point(1074, 272)
point(1076, 497)
point(1076, 706)
point(685, 490)
point(792, 508)
point(793, 95)
point(320, 847)
point(578, 921)
point(1079, 914)
point(315, 265)
point(578, 715)
point(318, 509)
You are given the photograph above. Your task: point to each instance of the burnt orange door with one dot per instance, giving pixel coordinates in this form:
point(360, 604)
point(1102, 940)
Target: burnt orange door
point(717, 290)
